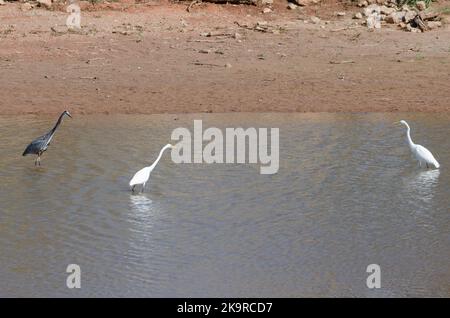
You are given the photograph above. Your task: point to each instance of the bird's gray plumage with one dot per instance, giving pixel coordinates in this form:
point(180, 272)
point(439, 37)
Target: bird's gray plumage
point(40, 144)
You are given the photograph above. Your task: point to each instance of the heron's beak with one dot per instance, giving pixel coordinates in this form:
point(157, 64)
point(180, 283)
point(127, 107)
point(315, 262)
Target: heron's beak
point(396, 123)
point(69, 115)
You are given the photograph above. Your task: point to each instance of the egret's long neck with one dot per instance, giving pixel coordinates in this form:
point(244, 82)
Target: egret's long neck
point(159, 157)
point(408, 137)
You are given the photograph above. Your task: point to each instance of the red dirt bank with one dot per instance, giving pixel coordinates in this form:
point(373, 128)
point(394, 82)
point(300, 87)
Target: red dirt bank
point(157, 59)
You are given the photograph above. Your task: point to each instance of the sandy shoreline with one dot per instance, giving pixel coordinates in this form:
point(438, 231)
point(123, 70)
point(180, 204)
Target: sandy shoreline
point(158, 59)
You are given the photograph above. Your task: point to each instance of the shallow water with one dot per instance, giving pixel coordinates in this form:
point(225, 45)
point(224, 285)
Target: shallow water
point(347, 194)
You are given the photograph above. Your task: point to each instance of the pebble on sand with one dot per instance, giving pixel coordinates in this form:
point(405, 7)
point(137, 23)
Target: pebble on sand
point(421, 5)
point(315, 20)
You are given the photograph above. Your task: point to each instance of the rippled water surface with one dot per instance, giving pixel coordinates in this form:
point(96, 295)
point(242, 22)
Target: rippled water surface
point(347, 194)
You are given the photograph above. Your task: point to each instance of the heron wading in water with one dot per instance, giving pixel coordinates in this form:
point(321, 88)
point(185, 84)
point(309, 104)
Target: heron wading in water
point(40, 144)
point(142, 176)
point(422, 154)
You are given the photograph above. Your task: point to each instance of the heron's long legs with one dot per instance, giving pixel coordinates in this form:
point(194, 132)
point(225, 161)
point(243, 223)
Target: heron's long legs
point(143, 187)
point(132, 188)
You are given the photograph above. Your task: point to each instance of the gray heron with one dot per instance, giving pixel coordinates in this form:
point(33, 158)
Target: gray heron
point(40, 144)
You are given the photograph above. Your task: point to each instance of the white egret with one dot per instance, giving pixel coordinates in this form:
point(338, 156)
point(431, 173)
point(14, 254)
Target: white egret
point(422, 154)
point(142, 176)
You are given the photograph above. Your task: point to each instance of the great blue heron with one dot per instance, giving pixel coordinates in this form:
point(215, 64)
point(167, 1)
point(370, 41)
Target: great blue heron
point(40, 144)
point(142, 176)
point(422, 154)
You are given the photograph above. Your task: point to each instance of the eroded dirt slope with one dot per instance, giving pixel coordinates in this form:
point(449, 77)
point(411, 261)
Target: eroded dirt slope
point(158, 58)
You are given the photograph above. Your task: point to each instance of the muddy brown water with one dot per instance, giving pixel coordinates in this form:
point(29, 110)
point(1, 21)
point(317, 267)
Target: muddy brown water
point(347, 195)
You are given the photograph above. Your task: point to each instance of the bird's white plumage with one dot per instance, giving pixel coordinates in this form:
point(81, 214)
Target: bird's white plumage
point(425, 156)
point(422, 154)
point(142, 176)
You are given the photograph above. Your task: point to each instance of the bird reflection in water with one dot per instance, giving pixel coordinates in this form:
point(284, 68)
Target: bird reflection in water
point(142, 217)
point(423, 183)
point(140, 204)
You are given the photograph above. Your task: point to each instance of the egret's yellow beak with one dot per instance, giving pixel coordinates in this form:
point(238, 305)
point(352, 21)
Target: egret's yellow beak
point(396, 123)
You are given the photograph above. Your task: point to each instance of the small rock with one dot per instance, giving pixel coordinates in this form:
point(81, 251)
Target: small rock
point(373, 8)
point(228, 65)
point(315, 20)
point(386, 10)
point(266, 10)
point(291, 6)
point(395, 17)
point(373, 21)
point(266, 2)
point(434, 24)
point(421, 5)
point(401, 15)
point(340, 14)
point(363, 3)
point(2, 2)
point(45, 3)
point(410, 15)
point(390, 19)
point(391, 5)
point(302, 3)
point(26, 6)
point(358, 15)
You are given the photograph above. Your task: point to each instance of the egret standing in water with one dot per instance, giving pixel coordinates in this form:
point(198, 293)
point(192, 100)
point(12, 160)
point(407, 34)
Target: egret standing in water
point(422, 154)
point(142, 176)
point(40, 144)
